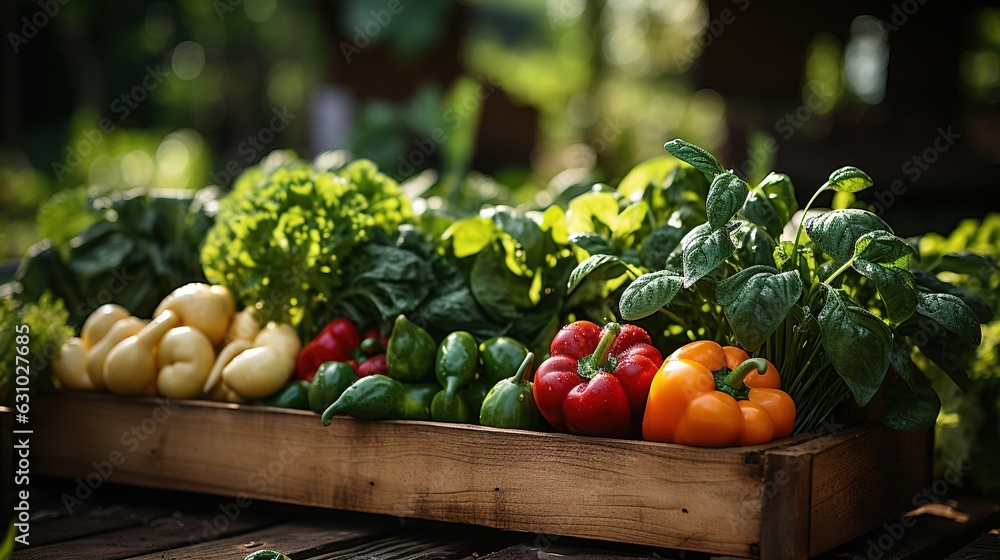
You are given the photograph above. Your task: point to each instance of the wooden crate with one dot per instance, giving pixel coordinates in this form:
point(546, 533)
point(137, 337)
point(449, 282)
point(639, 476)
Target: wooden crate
point(788, 499)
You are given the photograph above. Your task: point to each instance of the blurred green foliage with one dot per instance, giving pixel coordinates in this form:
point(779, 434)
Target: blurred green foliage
point(968, 428)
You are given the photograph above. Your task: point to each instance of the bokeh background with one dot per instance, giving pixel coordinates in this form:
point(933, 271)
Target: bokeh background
point(571, 91)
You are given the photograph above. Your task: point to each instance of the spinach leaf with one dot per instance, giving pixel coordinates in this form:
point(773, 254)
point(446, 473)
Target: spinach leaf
point(856, 342)
point(725, 197)
point(648, 293)
point(756, 301)
point(836, 232)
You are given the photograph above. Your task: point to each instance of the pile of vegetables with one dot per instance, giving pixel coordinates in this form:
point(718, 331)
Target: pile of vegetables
point(683, 305)
point(195, 345)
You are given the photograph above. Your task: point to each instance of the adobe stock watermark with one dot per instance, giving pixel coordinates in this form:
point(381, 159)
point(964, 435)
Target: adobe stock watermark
point(258, 481)
point(131, 441)
point(121, 107)
point(684, 59)
point(364, 34)
point(453, 116)
point(895, 530)
point(914, 168)
point(253, 147)
point(30, 26)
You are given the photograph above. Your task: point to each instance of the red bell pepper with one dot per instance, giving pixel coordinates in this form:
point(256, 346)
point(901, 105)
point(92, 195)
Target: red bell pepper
point(596, 381)
point(339, 341)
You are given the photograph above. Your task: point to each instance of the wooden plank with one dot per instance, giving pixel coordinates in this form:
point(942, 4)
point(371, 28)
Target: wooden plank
point(172, 531)
point(935, 531)
point(785, 517)
point(627, 491)
point(425, 545)
point(305, 537)
point(93, 521)
point(521, 551)
point(863, 482)
point(986, 547)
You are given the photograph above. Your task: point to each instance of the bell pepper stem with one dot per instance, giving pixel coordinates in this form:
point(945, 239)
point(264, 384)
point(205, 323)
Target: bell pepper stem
point(603, 349)
point(734, 378)
point(524, 369)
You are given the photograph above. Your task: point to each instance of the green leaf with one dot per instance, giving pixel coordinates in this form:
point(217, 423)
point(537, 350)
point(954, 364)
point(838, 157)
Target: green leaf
point(900, 360)
point(631, 220)
point(488, 287)
point(935, 343)
point(592, 243)
point(911, 408)
point(931, 283)
point(964, 262)
point(895, 286)
point(836, 232)
point(101, 254)
point(754, 245)
point(761, 211)
point(952, 313)
point(849, 179)
point(650, 172)
point(523, 229)
point(857, 343)
point(469, 236)
point(725, 198)
point(601, 267)
point(648, 293)
point(704, 249)
point(756, 301)
point(657, 246)
point(882, 247)
point(779, 191)
point(593, 212)
point(694, 156)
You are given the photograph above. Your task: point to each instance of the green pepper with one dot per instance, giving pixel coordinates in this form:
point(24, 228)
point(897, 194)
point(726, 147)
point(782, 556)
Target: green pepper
point(409, 355)
point(455, 366)
point(510, 403)
point(266, 555)
point(499, 356)
point(473, 394)
point(378, 397)
point(423, 395)
point(293, 395)
point(330, 381)
point(454, 411)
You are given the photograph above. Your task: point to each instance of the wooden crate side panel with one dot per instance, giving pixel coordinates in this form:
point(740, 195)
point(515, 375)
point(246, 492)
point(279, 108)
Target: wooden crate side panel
point(785, 514)
point(636, 492)
point(864, 482)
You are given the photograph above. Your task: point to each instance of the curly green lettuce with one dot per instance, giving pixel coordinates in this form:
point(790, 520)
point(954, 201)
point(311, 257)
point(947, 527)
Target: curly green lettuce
point(284, 234)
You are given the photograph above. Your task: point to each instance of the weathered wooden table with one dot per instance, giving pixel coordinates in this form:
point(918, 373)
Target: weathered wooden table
point(117, 521)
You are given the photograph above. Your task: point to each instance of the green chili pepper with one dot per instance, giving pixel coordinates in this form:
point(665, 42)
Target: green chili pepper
point(499, 356)
point(378, 397)
point(455, 411)
point(473, 395)
point(409, 355)
point(510, 403)
point(293, 395)
point(421, 394)
point(455, 366)
point(330, 381)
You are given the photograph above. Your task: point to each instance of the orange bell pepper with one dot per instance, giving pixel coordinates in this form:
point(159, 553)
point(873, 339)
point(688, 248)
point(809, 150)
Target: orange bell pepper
point(708, 395)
